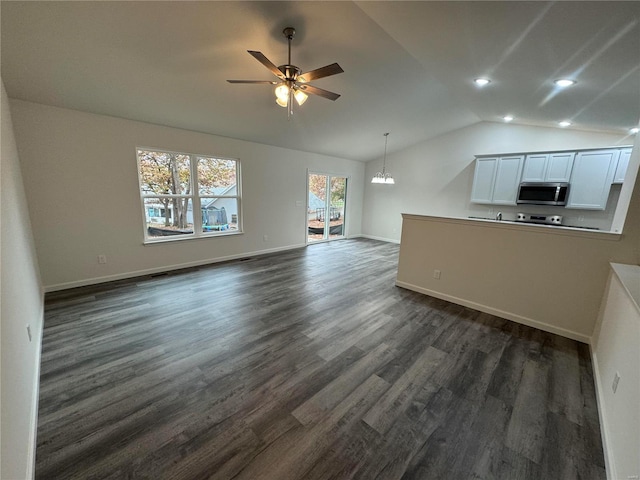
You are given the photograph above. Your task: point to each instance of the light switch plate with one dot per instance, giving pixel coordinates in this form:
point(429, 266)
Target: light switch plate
point(616, 379)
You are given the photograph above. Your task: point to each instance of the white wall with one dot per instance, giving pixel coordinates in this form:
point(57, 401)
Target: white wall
point(80, 177)
point(616, 348)
point(21, 303)
point(435, 177)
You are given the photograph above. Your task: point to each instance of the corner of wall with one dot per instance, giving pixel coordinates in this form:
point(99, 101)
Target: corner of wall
point(22, 305)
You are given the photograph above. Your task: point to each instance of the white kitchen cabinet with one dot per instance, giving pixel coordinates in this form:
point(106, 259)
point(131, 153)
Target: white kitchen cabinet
point(484, 179)
point(591, 179)
point(548, 167)
point(623, 164)
point(496, 179)
point(505, 189)
point(535, 167)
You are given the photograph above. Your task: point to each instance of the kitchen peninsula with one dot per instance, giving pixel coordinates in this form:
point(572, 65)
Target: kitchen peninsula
point(548, 277)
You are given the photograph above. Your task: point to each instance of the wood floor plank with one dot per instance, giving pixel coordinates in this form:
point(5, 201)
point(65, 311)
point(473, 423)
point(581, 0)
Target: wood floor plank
point(307, 364)
point(565, 380)
point(527, 427)
point(291, 456)
point(334, 392)
point(395, 400)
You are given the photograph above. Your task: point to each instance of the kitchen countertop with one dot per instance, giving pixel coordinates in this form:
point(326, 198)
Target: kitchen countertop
point(629, 276)
point(532, 227)
point(535, 223)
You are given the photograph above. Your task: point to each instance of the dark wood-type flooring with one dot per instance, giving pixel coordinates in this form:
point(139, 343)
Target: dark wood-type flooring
point(308, 364)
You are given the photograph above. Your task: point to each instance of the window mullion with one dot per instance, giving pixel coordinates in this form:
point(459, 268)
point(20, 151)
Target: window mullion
point(195, 198)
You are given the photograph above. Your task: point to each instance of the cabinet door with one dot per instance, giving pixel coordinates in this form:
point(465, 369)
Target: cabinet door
point(484, 180)
point(623, 164)
point(591, 179)
point(508, 176)
point(559, 167)
point(535, 167)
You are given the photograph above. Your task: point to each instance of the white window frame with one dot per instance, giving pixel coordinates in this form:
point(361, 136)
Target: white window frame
point(194, 196)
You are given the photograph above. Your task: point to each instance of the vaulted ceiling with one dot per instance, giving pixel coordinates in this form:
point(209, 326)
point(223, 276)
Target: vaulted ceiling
point(408, 66)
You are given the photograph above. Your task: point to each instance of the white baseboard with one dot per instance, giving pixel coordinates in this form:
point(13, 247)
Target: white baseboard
point(382, 239)
point(164, 268)
point(497, 312)
point(609, 464)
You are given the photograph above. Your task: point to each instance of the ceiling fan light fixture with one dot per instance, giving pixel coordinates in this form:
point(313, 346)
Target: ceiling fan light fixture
point(282, 92)
point(300, 96)
point(291, 78)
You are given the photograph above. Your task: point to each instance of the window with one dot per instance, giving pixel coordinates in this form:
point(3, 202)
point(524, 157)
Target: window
point(175, 185)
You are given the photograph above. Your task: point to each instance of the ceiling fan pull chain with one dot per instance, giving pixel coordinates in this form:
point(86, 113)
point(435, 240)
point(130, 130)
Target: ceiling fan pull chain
point(290, 109)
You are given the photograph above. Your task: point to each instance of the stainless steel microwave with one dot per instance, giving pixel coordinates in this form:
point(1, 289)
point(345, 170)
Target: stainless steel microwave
point(543, 193)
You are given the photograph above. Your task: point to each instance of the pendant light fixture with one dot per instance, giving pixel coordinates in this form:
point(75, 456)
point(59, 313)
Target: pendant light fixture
point(383, 176)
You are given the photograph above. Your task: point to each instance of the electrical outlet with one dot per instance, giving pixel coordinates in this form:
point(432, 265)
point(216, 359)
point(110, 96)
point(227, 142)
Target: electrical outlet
point(436, 274)
point(29, 331)
point(616, 379)
point(581, 218)
point(102, 259)
point(265, 238)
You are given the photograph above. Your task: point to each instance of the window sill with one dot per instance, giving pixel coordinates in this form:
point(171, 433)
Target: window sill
point(181, 238)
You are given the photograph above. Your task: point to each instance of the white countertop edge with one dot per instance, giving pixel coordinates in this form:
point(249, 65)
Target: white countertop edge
point(510, 225)
point(629, 276)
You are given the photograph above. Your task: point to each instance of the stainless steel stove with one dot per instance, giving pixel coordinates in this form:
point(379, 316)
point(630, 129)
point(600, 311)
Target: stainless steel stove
point(539, 218)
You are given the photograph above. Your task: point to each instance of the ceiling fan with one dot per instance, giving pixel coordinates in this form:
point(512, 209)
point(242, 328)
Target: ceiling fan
point(293, 83)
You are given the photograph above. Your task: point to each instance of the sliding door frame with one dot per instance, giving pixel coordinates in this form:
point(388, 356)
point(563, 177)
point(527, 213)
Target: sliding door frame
point(329, 176)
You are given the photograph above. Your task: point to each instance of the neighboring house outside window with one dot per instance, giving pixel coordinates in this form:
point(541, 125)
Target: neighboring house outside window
point(175, 185)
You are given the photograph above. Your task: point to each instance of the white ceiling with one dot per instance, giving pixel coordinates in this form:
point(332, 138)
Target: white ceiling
point(408, 66)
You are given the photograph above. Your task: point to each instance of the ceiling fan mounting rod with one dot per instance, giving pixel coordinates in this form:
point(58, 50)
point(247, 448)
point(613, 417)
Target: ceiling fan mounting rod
point(289, 32)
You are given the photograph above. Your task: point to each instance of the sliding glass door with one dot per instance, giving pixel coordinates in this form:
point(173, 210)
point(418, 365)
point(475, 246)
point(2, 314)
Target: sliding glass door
point(326, 207)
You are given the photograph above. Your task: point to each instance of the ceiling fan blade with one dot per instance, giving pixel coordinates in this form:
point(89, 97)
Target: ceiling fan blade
point(318, 91)
point(270, 82)
point(321, 72)
point(266, 62)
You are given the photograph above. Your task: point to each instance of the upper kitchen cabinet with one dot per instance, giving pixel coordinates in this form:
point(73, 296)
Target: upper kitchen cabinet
point(548, 167)
point(496, 179)
point(484, 179)
point(591, 179)
point(623, 164)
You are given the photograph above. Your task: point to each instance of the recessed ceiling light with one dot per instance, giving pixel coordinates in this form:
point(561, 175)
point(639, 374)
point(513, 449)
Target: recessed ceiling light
point(481, 82)
point(507, 118)
point(634, 130)
point(564, 123)
point(564, 82)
